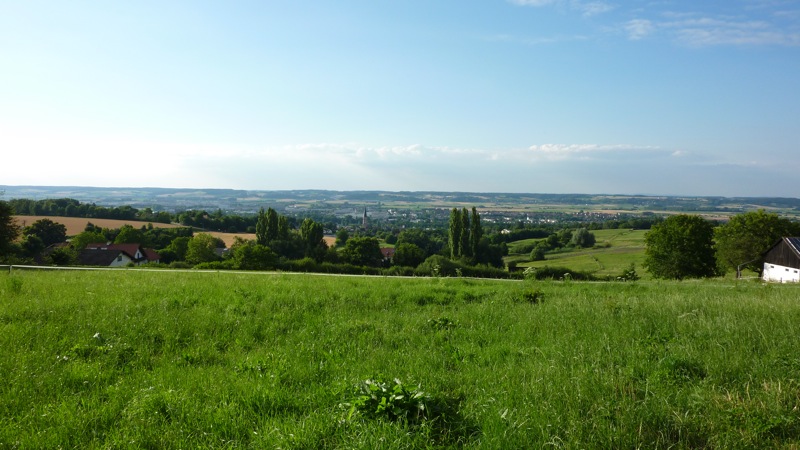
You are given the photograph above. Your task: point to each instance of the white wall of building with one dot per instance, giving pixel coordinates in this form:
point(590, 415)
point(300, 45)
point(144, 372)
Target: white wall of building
point(121, 261)
point(783, 274)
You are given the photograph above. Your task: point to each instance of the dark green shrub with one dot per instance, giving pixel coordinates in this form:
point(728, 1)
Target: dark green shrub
point(557, 273)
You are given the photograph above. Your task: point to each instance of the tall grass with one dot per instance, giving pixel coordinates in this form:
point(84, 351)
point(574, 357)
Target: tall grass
point(175, 360)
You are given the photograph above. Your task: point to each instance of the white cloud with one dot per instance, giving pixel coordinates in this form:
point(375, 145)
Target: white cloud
point(585, 8)
point(639, 28)
point(533, 2)
point(534, 41)
point(753, 24)
point(593, 8)
point(708, 31)
point(587, 151)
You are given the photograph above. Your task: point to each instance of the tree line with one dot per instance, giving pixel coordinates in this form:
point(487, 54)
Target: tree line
point(689, 246)
point(280, 243)
point(680, 246)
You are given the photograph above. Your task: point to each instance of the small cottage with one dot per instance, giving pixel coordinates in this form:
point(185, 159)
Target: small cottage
point(115, 255)
point(782, 261)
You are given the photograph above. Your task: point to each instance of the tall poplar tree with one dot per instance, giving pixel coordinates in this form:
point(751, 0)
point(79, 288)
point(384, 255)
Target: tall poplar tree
point(464, 248)
point(283, 228)
point(455, 232)
point(475, 232)
point(261, 228)
point(272, 225)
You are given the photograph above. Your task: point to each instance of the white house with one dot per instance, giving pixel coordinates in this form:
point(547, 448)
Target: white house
point(782, 261)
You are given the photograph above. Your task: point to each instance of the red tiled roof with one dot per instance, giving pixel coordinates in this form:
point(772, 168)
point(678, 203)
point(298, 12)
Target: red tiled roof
point(151, 254)
point(129, 249)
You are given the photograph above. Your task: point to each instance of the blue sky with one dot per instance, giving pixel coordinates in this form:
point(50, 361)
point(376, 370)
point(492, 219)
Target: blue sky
point(546, 96)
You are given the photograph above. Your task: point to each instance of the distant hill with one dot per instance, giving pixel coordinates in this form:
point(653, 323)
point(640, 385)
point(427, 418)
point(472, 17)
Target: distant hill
point(249, 201)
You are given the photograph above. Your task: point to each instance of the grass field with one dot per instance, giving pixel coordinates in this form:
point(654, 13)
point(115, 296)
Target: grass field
point(133, 359)
point(614, 252)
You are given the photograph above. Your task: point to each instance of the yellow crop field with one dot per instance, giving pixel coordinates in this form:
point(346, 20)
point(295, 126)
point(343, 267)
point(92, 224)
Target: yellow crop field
point(76, 225)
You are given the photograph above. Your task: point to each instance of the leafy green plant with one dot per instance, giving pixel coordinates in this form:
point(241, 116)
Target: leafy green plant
point(629, 274)
point(14, 284)
point(442, 323)
point(533, 296)
point(390, 400)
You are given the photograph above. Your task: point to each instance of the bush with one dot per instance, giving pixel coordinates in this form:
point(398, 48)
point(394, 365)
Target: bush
point(399, 271)
point(390, 400)
point(537, 254)
point(215, 265)
point(557, 273)
point(438, 266)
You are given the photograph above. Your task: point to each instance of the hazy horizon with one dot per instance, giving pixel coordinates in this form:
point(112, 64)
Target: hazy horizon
point(611, 194)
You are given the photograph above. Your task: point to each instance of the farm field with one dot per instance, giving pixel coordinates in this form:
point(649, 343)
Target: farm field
point(164, 359)
point(76, 225)
point(614, 252)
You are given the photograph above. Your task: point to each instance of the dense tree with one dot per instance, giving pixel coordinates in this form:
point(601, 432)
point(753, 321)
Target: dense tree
point(48, 231)
point(248, 255)
point(176, 250)
point(537, 254)
point(283, 227)
point(272, 225)
point(564, 237)
point(313, 235)
point(341, 237)
point(63, 256)
point(422, 239)
point(363, 251)
point(201, 248)
point(408, 255)
point(475, 232)
point(743, 240)
point(681, 246)
point(129, 235)
point(582, 238)
point(32, 245)
point(261, 228)
point(464, 249)
point(81, 240)
point(455, 231)
point(491, 254)
point(162, 237)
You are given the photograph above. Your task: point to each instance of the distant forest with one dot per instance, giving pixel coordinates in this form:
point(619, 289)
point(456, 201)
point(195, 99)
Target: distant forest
point(235, 223)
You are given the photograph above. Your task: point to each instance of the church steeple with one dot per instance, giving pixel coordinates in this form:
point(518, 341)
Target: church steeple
point(364, 219)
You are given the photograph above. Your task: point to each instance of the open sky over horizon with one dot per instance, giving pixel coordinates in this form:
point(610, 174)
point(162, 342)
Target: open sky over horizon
point(542, 96)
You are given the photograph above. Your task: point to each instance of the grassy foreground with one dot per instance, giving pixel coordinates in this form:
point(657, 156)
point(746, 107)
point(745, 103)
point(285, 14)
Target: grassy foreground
point(199, 360)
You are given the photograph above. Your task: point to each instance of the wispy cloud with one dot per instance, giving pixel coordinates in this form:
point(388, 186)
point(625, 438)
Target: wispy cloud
point(585, 8)
point(755, 23)
point(708, 31)
point(533, 2)
point(535, 41)
point(639, 28)
point(593, 8)
point(731, 27)
point(591, 151)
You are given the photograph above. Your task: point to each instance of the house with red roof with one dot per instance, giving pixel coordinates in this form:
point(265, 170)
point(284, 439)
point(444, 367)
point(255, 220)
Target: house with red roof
point(116, 255)
point(388, 253)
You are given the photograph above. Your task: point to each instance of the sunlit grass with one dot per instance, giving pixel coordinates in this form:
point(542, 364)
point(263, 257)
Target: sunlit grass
point(614, 252)
point(177, 360)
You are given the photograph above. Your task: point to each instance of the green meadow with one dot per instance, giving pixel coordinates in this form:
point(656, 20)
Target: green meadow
point(614, 252)
point(135, 359)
